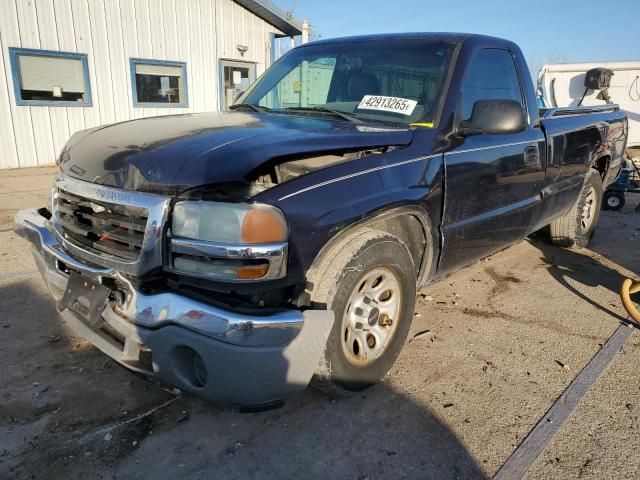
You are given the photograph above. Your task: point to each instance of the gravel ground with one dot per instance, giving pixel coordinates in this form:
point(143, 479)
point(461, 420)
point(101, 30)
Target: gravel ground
point(490, 350)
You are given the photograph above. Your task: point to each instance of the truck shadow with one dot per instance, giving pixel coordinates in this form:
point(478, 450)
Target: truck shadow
point(379, 433)
point(624, 227)
point(565, 265)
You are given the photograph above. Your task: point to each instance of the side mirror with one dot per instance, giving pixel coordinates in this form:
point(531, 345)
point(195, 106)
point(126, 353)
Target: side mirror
point(494, 117)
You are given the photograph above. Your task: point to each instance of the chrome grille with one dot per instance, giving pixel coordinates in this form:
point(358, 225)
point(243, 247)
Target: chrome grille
point(110, 227)
point(101, 227)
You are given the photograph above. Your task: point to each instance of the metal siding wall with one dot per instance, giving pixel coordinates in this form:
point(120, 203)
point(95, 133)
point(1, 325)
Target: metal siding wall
point(171, 37)
point(58, 118)
point(104, 94)
point(67, 43)
point(207, 53)
point(195, 71)
point(237, 25)
point(183, 47)
point(41, 124)
point(118, 60)
point(129, 49)
point(85, 44)
point(9, 153)
point(110, 32)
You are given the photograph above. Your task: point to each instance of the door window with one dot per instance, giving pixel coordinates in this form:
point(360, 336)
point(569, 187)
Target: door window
point(491, 75)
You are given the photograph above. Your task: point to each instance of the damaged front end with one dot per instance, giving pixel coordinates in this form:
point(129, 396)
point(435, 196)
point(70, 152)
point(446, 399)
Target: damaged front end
point(284, 170)
point(97, 282)
point(166, 254)
point(277, 171)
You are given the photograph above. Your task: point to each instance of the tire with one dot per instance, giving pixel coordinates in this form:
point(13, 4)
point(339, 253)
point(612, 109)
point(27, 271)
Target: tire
point(613, 200)
point(343, 281)
point(575, 229)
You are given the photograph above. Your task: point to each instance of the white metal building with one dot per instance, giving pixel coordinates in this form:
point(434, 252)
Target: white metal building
point(67, 65)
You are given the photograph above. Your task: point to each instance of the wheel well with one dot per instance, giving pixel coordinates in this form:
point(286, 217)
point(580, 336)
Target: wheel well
point(602, 165)
point(408, 229)
point(410, 224)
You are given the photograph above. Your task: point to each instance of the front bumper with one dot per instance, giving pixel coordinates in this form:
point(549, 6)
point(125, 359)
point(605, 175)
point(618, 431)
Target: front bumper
point(217, 354)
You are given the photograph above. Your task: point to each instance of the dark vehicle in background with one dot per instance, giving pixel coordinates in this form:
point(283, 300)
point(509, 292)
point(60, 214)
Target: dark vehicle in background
point(241, 255)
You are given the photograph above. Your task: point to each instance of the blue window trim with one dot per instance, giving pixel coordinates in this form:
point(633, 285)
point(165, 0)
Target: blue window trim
point(14, 52)
point(272, 40)
point(134, 91)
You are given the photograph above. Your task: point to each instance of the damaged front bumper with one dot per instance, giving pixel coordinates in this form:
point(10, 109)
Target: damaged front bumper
point(224, 356)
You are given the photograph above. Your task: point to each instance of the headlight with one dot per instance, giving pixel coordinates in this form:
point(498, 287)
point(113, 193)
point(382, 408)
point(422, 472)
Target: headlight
point(232, 223)
point(228, 241)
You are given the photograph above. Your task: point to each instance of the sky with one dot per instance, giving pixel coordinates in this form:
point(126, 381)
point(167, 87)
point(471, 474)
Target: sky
point(558, 31)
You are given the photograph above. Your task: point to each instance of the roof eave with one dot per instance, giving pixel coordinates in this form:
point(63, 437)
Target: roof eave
point(280, 19)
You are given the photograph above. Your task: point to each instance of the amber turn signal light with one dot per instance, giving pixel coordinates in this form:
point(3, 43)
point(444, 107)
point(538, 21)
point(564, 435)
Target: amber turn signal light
point(263, 226)
point(251, 272)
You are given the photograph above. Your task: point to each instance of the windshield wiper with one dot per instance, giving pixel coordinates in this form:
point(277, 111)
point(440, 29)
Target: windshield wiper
point(255, 108)
point(336, 113)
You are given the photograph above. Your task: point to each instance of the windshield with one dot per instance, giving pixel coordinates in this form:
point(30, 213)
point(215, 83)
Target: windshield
point(389, 81)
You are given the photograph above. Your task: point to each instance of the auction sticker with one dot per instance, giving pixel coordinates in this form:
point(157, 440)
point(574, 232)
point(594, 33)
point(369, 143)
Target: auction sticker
point(402, 106)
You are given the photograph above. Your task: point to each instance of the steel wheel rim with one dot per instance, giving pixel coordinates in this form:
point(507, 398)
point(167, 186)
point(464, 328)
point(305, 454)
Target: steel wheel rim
point(371, 317)
point(613, 201)
point(589, 208)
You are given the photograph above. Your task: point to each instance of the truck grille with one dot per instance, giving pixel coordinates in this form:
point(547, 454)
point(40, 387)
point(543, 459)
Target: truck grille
point(100, 227)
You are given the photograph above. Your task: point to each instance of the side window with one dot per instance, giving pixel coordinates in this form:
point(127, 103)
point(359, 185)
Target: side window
point(491, 75)
point(158, 83)
point(45, 77)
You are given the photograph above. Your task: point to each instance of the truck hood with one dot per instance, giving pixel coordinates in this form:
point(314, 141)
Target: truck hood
point(170, 154)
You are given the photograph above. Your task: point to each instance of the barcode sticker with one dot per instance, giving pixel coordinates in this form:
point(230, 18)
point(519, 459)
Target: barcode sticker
point(402, 106)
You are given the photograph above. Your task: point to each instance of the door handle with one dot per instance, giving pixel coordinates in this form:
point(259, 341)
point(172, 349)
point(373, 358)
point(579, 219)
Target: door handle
point(531, 157)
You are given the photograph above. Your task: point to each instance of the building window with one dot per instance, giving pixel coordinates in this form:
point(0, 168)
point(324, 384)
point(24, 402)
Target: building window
point(159, 83)
point(44, 77)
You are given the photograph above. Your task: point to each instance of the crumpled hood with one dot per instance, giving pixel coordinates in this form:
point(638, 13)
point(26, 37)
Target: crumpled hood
point(170, 154)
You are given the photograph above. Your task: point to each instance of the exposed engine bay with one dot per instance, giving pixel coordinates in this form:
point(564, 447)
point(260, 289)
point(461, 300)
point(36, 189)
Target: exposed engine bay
point(283, 171)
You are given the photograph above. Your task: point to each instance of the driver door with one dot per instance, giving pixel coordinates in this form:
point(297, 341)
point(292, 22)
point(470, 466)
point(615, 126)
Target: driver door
point(492, 182)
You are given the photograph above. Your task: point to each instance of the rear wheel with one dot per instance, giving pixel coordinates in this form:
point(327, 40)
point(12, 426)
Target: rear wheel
point(576, 228)
point(369, 281)
point(613, 200)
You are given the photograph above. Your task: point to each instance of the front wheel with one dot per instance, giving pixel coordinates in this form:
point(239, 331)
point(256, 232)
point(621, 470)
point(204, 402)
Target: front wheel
point(576, 228)
point(369, 281)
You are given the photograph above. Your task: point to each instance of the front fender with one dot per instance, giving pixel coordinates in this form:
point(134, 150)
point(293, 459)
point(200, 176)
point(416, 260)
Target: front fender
point(324, 204)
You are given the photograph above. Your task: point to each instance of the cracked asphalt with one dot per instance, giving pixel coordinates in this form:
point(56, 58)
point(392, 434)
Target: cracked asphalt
point(490, 350)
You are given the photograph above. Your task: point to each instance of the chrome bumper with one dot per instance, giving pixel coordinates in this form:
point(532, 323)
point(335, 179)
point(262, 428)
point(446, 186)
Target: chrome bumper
point(218, 354)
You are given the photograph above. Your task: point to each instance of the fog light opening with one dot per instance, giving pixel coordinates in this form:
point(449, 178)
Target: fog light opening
point(190, 367)
point(199, 371)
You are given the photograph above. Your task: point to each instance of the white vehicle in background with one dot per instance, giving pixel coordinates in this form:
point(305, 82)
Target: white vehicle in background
point(563, 85)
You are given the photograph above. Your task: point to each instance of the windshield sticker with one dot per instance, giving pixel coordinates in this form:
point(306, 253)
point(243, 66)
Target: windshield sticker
point(402, 106)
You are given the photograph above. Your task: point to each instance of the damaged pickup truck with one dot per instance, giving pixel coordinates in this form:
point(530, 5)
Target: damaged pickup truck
point(242, 255)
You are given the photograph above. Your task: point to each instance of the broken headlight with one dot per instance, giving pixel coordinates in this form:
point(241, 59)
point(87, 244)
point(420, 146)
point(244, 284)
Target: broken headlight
point(228, 241)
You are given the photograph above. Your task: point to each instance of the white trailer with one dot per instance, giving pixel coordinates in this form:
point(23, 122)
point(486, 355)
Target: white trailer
point(562, 85)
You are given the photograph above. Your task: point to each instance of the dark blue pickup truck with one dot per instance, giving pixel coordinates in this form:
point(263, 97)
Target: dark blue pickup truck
point(242, 255)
